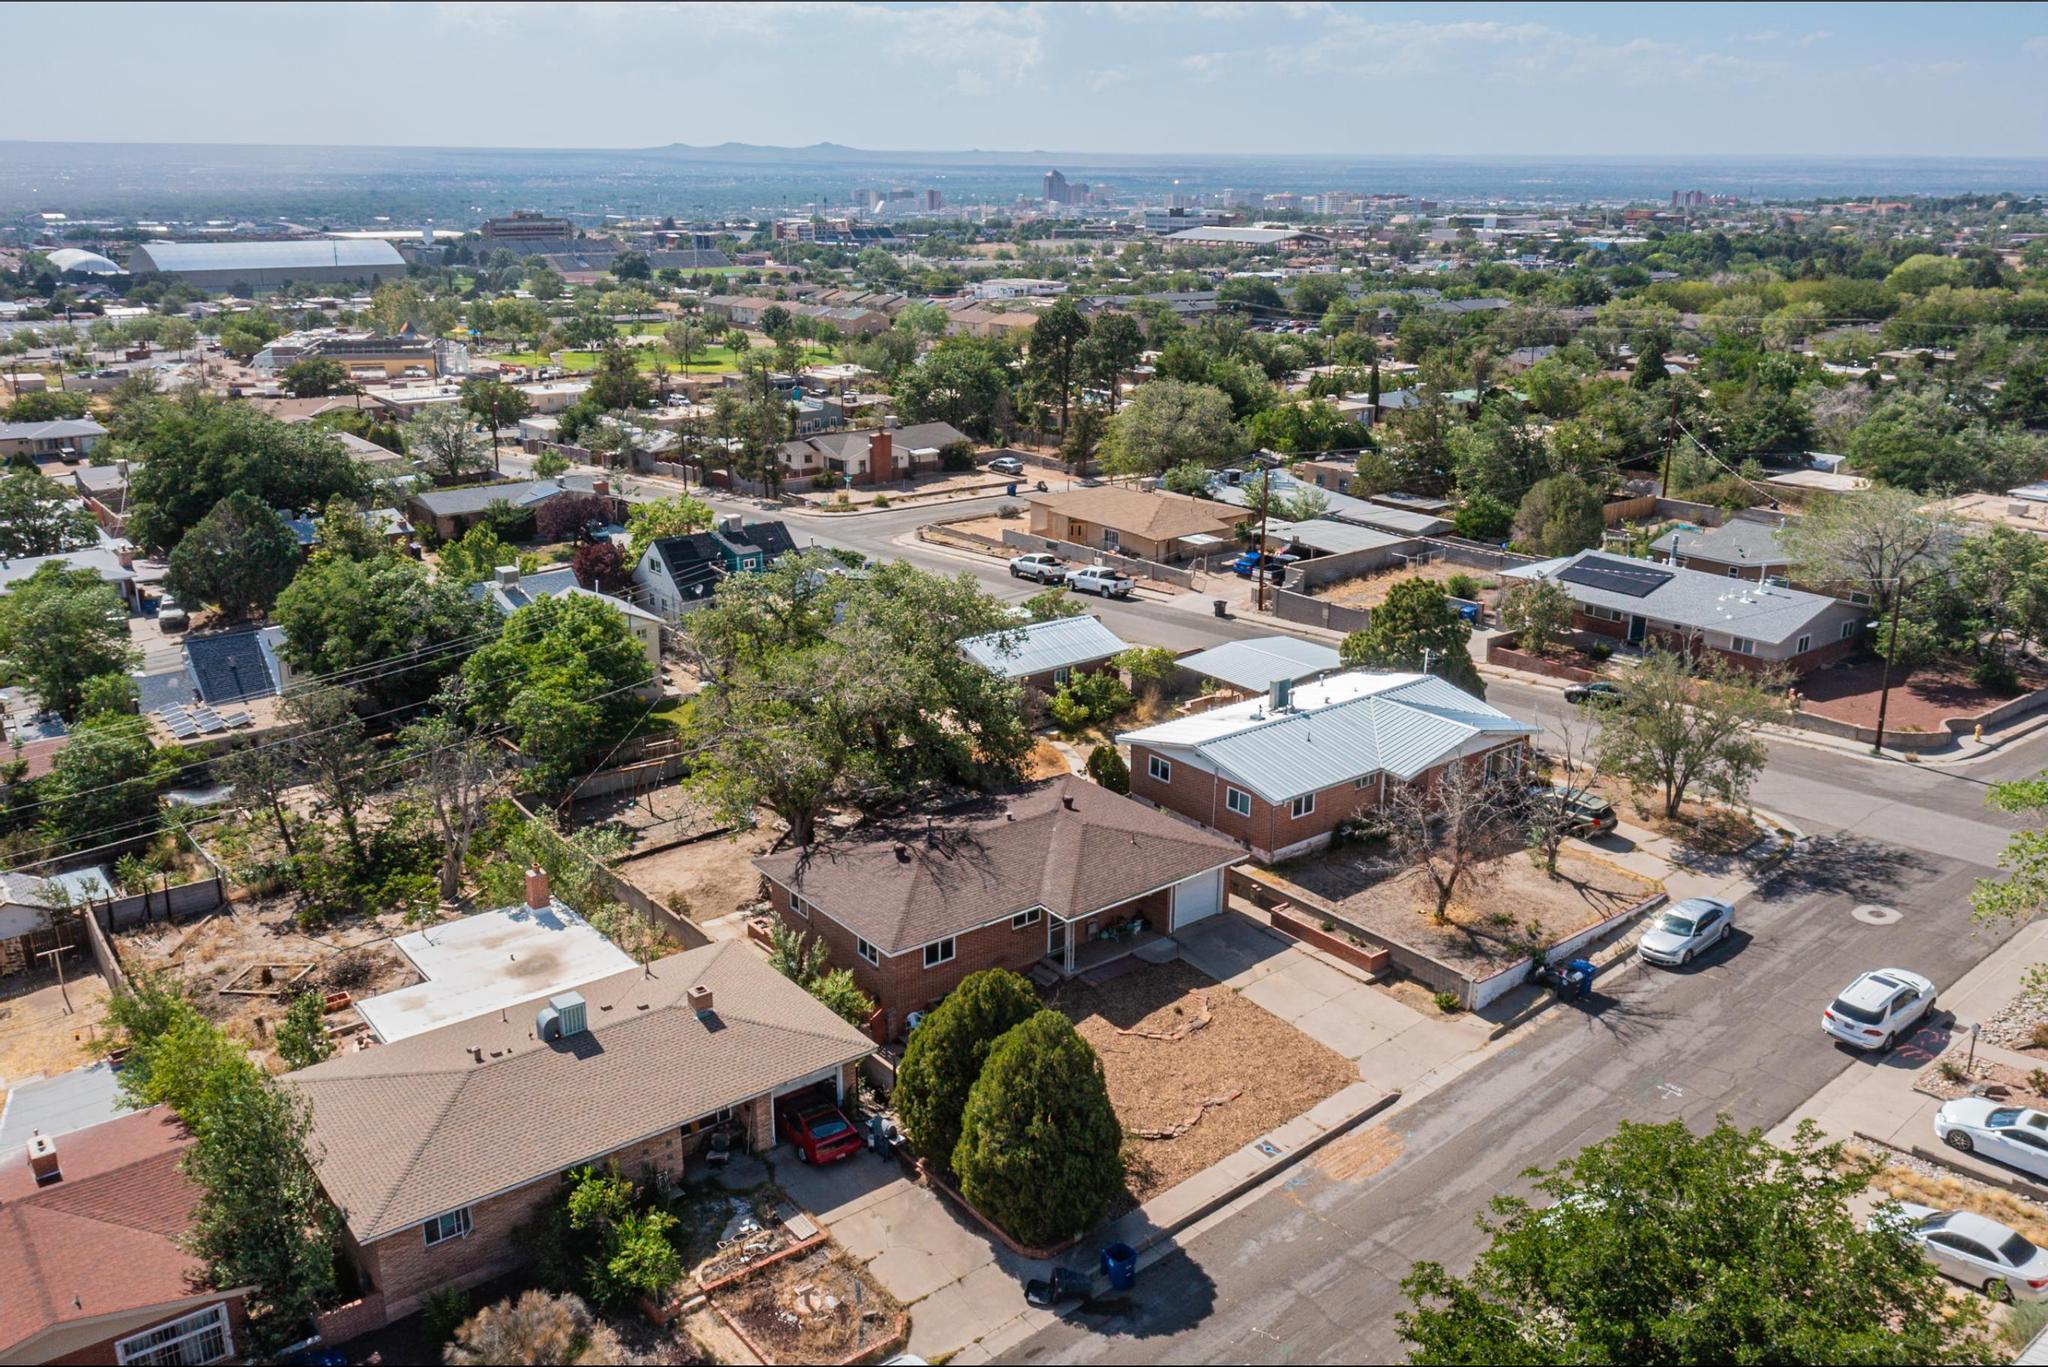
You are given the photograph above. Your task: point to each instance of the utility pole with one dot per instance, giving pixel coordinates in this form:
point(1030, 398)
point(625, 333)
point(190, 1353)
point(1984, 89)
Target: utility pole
point(1884, 687)
point(1670, 441)
point(1265, 509)
point(56, 956)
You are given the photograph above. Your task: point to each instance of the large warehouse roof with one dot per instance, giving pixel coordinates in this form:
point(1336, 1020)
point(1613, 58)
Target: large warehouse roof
point(305, 254)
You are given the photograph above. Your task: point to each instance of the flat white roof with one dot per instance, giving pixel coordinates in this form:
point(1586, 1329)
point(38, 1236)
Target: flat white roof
point(490, 961)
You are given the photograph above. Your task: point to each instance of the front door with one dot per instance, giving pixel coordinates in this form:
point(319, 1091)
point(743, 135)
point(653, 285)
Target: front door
point(1055, 938)
point(1636, 628)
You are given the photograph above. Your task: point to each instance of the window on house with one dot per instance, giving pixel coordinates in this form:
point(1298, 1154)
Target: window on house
point(1735, 571)
point(1805, 644)
point(1742, 645)
point(1159, 769)
point(796, 904)
point(453, 1225)
point(1061, 675)
point(1238, 801)
point(867, 952)
point(938, 952)
point(1848, 630)
point(1024, 918)
point(1859, 599)
point(1302, 806)
point(1503, 760)
point(202, 1336)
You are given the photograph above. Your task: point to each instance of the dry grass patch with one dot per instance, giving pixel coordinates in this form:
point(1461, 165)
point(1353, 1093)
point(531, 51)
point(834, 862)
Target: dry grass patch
point(1957, 1193)
point(1371, 590)
point(818, 1306)
point(1193, 1062)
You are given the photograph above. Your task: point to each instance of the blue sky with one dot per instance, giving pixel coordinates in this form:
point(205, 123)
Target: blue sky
point(1619, 79)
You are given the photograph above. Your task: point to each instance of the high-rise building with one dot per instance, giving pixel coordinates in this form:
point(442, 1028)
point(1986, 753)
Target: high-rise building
point(1056, 189)
point(934, 201)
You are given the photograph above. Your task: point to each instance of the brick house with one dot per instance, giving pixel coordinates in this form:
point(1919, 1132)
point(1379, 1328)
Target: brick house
point(872, 455)
point(1149, 524)
point(1742, 548)
point(89, 1229)
point(1053, 880)
point(1044, 655)
point(1754, 626)
point(437, 1147)
point(1281, 772)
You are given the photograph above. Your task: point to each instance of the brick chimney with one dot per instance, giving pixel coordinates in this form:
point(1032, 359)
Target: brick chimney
point(881, 456)
point(537, 895)
point(42, 1160)
point(600, 487)
point(700, 999)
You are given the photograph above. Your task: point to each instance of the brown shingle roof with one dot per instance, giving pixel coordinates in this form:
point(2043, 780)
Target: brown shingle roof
point(103, 1240)
point(1026, 851)
point(410, 1130)
point(1155, 516)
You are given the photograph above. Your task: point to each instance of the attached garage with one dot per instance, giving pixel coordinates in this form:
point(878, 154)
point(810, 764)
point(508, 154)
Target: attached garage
point(1197, 897)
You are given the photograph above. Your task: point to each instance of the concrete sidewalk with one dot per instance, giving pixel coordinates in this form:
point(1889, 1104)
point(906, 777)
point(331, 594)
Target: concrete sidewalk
point(1875, 1095)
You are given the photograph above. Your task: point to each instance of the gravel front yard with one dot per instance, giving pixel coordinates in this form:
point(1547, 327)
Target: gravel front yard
point(1194, 1064)
point(1370, 590)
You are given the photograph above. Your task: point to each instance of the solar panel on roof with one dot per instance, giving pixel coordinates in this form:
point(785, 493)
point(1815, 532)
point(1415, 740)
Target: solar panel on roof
point(1629, 578)
point(236, 718)
point(182, 728)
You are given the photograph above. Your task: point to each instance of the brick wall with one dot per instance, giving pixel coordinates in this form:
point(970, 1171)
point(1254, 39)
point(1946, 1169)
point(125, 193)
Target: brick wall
point(103, 1352)
point(1822, 655)
point(1268, 829)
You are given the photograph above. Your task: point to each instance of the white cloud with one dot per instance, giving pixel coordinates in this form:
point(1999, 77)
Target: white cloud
point(2035, 47)
point(1099, 81)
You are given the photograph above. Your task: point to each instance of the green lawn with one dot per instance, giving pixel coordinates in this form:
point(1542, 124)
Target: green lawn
point(708, 361)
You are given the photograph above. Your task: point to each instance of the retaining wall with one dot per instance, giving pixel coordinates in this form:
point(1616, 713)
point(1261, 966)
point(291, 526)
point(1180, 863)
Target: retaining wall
point(1485, 991)
point(1501, 650)
point(1328, 569)
point(1289, 606)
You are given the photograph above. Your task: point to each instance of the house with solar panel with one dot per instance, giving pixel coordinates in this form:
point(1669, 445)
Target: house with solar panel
point(1045, 655)
point(1279, 773)
point(1756, 625)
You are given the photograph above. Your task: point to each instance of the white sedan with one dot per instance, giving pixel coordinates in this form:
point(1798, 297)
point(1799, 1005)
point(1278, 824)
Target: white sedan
point(2010, 1134)
point(2000, 1262)
point(1878, 1008)
point(1686, 930)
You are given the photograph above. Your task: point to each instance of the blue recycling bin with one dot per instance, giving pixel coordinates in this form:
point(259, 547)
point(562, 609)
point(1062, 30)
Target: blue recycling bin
point(1010, 489)
point(1120, 1265)
point(1578, 978)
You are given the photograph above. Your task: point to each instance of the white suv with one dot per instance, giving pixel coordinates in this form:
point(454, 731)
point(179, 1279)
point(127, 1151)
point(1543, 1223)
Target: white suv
point(1879, 1007)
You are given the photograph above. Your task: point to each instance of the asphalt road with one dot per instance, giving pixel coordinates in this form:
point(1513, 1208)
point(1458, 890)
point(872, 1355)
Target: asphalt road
point(1311, 1271)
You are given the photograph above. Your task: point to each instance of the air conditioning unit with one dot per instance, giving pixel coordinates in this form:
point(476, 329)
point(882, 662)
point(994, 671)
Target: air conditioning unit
point(570, 1011)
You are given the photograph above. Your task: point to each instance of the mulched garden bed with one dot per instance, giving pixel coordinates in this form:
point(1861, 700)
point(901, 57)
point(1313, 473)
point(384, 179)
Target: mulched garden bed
point(817, 1307)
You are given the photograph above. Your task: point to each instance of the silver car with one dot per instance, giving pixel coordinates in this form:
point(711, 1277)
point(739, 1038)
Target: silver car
point(1685, 930)
point(2000, 1262)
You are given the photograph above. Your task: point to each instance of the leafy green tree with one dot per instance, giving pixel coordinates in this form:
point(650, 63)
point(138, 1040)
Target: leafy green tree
point(1682, 724)
point(1663, 1246)
point(829, 688)
point(561, 677)
point(476, 555)
point(1168, 423)
point(676, 515)
point(202, 449)
point(494, 403)
point(1107, 768)
point(1082, 437)
point(616, 384)
point(1301, 427)
point(332, 749)
point(1041, 1150)
point(1372, 473)
point(1090, 700)
point(104, 783)
point(961, 381)
point(1111, 350)
point(302, 1034)
point(1539, 614)
point(1558, 516)
point(396, 629)
point(1051, 604)
point(316, 377)
point(1416, 628)
point(238, 557)
point(944, 1057)
point(1055, 342)
point(60, 627)
point(49, 405)
point(260, 772)
point(38, 518)
point(1483, 518)
point(453, 770)
point(444, 443)
point(343, 532)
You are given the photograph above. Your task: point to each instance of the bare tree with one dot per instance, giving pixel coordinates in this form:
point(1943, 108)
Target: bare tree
point(1681, 723)
point(329, 744)
point(1574, 766)
point(263, 774)
point(1452, 824)
point(454, 771)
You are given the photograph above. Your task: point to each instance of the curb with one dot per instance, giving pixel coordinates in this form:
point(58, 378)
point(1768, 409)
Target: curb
point(2017, 1186)
point(1622, 962)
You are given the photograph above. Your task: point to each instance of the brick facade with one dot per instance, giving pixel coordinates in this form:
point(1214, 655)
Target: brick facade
point(1270, 831)
point(901, 983)
point(1821, 655)
point(97, 1354)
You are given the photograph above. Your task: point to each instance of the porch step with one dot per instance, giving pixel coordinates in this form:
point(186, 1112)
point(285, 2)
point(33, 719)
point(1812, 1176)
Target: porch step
point(1044, 974)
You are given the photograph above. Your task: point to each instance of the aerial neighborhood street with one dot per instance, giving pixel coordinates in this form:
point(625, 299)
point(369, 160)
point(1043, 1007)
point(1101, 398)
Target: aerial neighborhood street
point(1395, 708)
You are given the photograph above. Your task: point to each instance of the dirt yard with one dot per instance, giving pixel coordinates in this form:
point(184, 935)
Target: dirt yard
point(1370, 590)
point(1494, 915)
point(227, 950)
point(38, 1036)
point(713, 877)
point(1922, 701)
point(819, 1306)
point(663, 814)
point(991, 527)
point(1195, 1071)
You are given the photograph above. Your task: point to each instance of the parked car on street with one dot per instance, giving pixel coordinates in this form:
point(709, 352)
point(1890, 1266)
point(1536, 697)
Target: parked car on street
point(2002, 1263)
point(1007, 465)
point(819, 1132)
point(1046, 569)
point(1683, 931)
point(1879, 1007)
point(2009, 1134)
point(1101, 580)
point(1599, 692)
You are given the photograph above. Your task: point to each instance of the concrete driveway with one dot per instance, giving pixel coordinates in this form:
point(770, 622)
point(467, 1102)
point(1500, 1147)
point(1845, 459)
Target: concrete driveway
point(959, 1284)
point(1393, 1044)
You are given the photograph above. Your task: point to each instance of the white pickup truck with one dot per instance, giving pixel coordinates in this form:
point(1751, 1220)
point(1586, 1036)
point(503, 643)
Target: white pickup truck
point(1101, 580)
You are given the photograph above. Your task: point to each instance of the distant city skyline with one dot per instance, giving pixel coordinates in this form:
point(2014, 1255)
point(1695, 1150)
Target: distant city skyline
point(1104, 78)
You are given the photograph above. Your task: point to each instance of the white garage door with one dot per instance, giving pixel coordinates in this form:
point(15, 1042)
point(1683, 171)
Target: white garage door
point(1197, 897)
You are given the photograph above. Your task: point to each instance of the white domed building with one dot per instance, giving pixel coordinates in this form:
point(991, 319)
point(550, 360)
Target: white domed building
point(77, 261)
